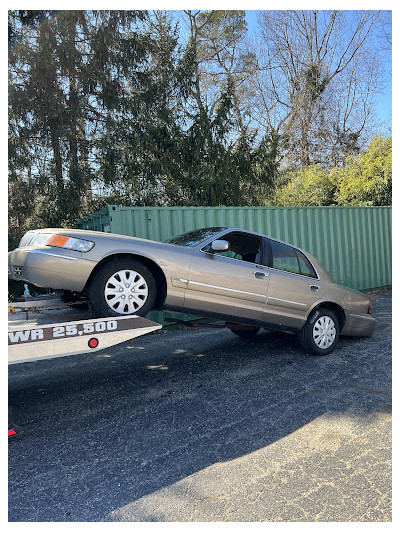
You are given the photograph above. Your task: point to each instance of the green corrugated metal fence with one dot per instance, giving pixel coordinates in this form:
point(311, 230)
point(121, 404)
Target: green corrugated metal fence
point(353, 243)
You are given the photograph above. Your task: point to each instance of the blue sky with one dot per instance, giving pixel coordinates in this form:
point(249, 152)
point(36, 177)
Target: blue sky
point(383, 103)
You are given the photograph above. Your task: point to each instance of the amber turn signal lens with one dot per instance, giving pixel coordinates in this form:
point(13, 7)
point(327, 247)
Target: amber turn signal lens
point(57, 240)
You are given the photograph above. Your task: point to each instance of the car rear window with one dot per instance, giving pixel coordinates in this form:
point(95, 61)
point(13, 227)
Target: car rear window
point(306, 268)
point(284, 258)
point(289, 259)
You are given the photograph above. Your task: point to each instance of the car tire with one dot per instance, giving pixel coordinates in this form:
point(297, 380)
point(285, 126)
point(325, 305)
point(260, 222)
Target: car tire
point(245, 333)
point(320, 334)
point(122, 287)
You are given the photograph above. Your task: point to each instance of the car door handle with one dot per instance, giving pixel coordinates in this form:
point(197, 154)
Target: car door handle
point(314, 288)
point(260, 275)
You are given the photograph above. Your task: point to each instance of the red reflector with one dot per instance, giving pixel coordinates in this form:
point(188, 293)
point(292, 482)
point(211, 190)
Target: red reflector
point(369, 308)
point(93, 343)
point(11, 432)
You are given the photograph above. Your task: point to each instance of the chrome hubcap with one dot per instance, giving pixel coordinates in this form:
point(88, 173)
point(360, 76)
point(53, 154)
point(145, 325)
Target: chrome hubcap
point(126, 292)
point(324, 332)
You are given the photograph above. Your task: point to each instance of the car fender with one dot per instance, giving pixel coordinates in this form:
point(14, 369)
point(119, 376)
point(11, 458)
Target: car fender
point(329, 302)
point(171, 264)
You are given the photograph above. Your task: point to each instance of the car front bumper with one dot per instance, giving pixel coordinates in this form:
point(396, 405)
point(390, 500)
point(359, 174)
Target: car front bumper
point(359, 325)
point(50, 267)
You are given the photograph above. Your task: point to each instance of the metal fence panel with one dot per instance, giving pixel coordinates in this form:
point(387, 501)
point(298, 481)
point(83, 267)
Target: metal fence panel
point(353, 243)
point(97, 221)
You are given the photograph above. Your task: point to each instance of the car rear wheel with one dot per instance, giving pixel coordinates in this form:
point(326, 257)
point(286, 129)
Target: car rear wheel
point(246, 332)
point(320, 334)
point(123, 287)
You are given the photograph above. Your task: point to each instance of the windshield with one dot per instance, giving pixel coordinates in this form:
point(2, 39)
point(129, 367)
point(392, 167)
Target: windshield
point(194, 237)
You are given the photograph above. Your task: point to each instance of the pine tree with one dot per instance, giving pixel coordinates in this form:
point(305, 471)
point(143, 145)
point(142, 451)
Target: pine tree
point(68, 84)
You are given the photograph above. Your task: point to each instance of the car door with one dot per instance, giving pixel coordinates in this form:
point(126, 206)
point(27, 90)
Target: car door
point(234, 283)
point(294, 286)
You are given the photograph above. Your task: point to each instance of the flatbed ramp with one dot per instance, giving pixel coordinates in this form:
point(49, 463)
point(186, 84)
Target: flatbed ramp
point(62, 339)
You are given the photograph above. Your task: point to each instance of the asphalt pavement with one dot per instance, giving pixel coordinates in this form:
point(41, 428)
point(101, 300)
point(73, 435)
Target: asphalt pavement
point(198, 426)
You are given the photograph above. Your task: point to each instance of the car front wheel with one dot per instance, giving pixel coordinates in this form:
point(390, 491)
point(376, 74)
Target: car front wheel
point(123, 287)
point(320, 334)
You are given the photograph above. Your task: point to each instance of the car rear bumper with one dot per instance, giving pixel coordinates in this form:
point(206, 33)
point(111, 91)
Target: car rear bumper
point(359, 325)
point(44, 267)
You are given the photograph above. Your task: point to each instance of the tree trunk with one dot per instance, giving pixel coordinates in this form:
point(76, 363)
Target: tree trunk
point(55, 145)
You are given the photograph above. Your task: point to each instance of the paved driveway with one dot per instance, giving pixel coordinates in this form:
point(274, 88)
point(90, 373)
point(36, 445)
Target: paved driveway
point(204, 426)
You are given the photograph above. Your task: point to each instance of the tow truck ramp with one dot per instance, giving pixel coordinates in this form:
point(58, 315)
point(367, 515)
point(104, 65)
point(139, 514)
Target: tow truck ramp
point(68, 338)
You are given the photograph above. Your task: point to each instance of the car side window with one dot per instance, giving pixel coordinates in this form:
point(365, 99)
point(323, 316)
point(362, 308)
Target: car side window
point(306, 268)
point(289, 259)
point(284, 258)
point(243, 246)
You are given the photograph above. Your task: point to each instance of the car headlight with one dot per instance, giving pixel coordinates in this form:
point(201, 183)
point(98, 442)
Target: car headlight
point(61, 241)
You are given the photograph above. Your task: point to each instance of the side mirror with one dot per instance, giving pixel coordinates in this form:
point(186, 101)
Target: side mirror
point(218, 246)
